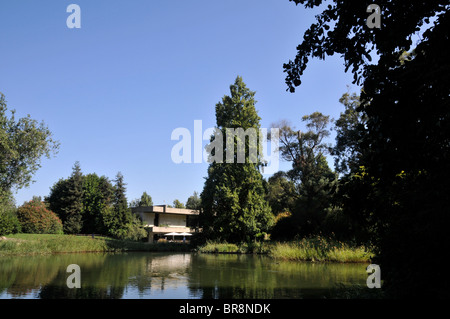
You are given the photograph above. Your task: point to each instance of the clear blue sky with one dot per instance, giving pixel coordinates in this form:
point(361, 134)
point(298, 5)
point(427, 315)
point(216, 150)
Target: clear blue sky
point(113, 91)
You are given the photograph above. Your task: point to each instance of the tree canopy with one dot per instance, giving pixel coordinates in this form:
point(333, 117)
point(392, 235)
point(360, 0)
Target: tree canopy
point(178, 204)
point(145, 200)
point(341, 29)
point(23, 142)
point(233, 201)
point(312, 182)
point(350, 128)
point(398, 183)
point(193, 202)
point(92, 204)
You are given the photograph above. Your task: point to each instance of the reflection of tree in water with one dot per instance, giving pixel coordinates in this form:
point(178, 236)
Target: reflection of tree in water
point(103, 276)
point(110, 278)
point(161, 271)
point(229, 276)
point(248, 277)
point(21, 276)
point(45, 276)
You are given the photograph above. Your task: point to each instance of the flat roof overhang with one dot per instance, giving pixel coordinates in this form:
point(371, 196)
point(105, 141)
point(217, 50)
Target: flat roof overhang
point(172, 229)
point(163, 209)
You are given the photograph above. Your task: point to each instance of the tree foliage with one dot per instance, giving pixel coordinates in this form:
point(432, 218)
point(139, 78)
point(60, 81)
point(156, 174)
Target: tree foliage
point(350, 129)
point(9, 224)
point(97, 206)
point(97, 196)
point(118, 218)
point(120, 203)
point(233, 201)
point(178, 204)
point(66, 200)
point(341, 29)
point(281, 193)
point(193, 202)
point(145, 200)
point(314, 183)
point(36, 218)
point(398, 188)
point(23, 142)
point(73, 211)
point(407, 149)
point(118, 213)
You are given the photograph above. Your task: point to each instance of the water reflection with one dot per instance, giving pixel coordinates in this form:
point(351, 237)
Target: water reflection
point(244, 276)
point(171, 276)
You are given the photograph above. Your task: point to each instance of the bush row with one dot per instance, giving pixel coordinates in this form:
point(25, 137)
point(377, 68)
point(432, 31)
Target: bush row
point(32, 217)
point(315, 248)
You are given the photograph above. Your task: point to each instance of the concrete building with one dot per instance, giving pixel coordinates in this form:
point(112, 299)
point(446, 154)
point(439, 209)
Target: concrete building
point(160, 220)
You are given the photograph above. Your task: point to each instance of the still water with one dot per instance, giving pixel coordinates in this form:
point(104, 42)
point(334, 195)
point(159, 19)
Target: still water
point(142, 275)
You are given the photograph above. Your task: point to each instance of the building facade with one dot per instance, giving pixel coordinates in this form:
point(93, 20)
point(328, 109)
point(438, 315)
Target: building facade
point(160, 220)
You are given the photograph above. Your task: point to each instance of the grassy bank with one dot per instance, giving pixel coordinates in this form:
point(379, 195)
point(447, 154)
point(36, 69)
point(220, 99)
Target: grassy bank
point(24, 244)
point(320, 249)
point(242, 248)
point(316, 249)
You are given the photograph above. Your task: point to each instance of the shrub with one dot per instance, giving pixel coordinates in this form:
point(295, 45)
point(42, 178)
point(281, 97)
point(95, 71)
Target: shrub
point(35, 218)
point(9, 224)
point(133, 231)
point(320, 249)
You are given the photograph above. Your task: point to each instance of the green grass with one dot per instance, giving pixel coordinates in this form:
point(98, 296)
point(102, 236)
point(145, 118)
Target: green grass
point(219, 247)
point(320, 249)
point(317, 249)
point(242, 248)
point(25, 244)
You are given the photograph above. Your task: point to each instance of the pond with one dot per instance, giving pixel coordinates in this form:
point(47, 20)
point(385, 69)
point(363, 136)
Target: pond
point(144, 275)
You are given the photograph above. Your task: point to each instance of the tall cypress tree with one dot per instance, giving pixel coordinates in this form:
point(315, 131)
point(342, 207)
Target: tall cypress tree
point(233, 204)
point(73, 212)
point(122, 214)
